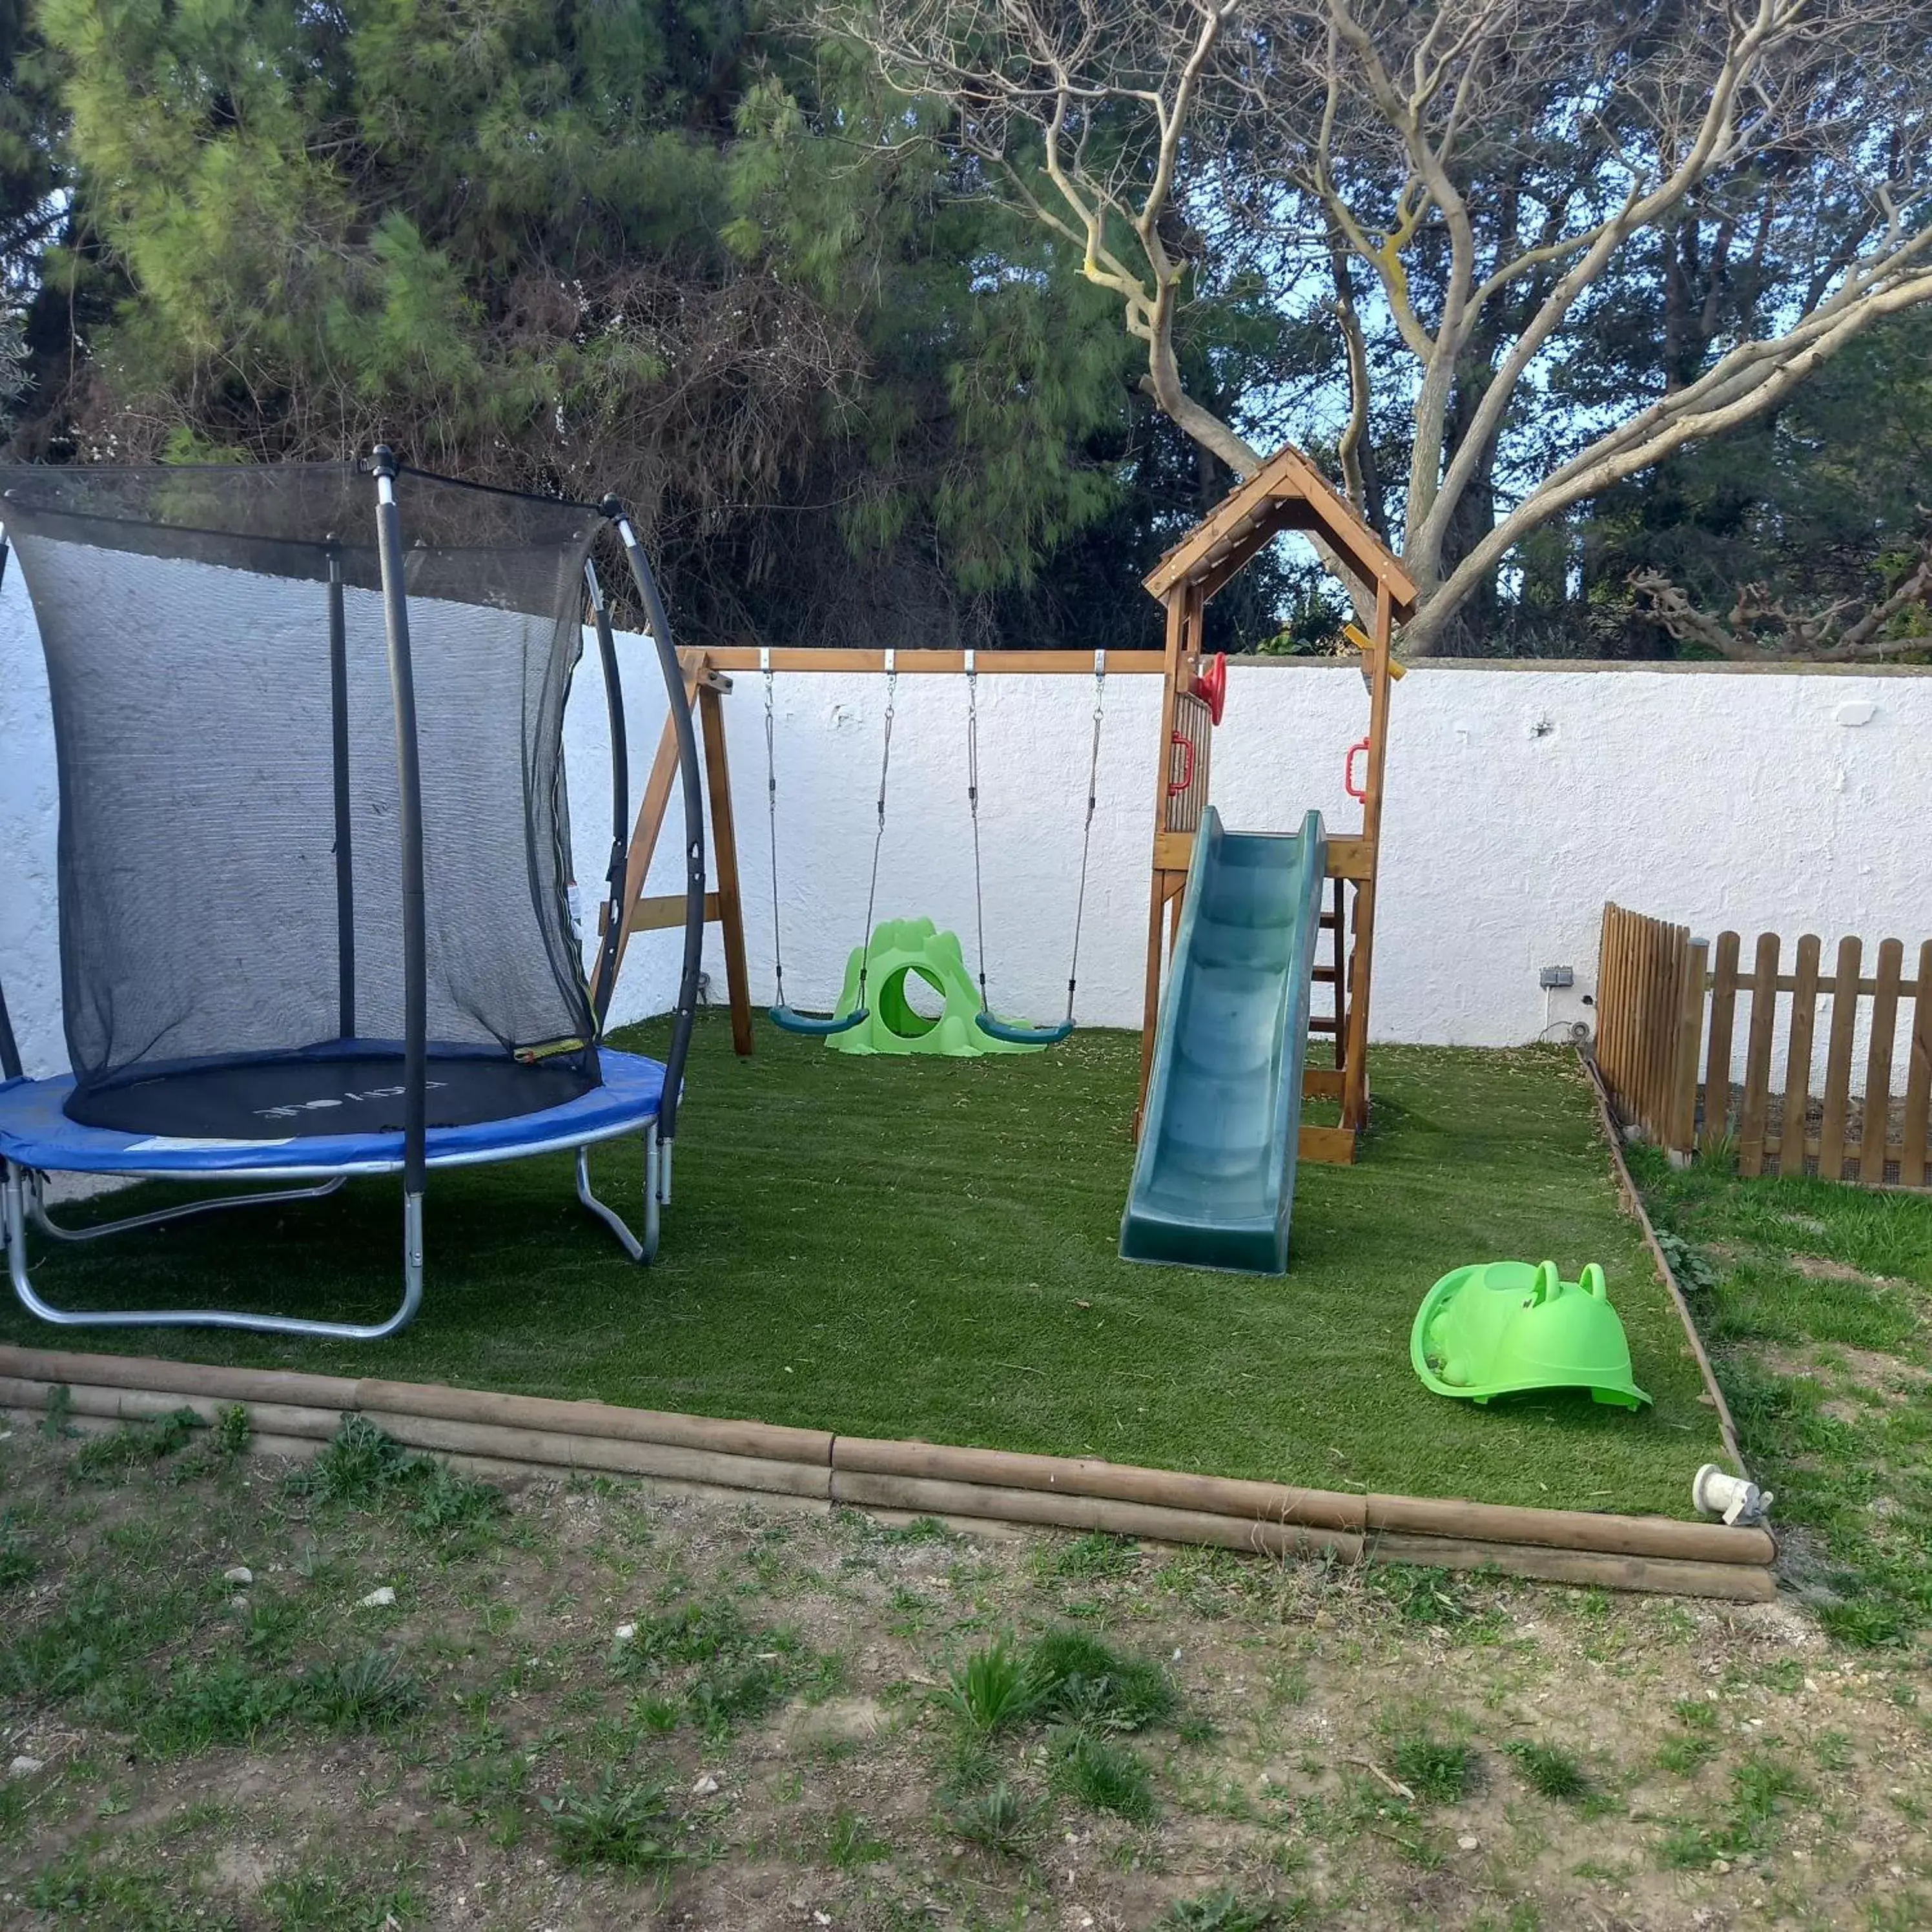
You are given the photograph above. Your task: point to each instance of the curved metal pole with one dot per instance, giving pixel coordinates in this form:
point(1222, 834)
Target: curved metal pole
point(620, 799)
point(36, 1207)
point(694, 821)
point(15, 1218)
point(416, 939)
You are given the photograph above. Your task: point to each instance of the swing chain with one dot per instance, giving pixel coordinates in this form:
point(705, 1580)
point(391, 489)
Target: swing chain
point(772, 815)
point(972, 806)
point(879, 834)
point(1087, 831)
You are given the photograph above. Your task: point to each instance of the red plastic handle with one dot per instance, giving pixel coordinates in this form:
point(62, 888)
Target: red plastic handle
point(1348, 783)
point(1175, 787)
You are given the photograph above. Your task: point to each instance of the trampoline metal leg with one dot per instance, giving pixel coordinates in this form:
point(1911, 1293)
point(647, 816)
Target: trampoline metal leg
point(36, 1207)
point(16, 1194)
point(645, 1250)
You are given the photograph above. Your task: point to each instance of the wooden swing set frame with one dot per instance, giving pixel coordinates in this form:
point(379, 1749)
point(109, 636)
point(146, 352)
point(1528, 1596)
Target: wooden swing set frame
point(1286, 493)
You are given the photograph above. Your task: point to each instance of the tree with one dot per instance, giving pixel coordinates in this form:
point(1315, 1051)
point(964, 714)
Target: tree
point(1465, 175)
point(581, 246)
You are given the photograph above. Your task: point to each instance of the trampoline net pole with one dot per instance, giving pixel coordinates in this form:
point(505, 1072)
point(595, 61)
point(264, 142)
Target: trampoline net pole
point(10, 1050)
point(409, 779)
point(345, 862)
point(603, 981)
point(694, 817)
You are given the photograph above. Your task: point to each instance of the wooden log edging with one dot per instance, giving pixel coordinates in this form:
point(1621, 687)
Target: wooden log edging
point(494, 1433)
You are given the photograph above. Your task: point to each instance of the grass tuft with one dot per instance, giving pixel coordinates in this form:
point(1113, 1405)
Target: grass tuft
point(1549, 1772)
point(1078, 1678)
point(999, 1820)
point(993, 1689)
point(1438, 1773)
point(1106, 1775)
point(625, 1823)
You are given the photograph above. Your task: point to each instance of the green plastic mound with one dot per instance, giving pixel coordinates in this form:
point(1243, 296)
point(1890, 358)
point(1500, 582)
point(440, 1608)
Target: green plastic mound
point(1505, 1328)
point(903, 947)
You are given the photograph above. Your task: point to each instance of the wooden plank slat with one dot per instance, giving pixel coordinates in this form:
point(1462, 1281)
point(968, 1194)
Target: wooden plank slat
point(1914, 1166)
point(1717, 1061)
point(1798, 1056)
point(725, 852)
point(1690, 1035)
point(1878, 1062)
point(1838, 1064)
point(1757, 1056)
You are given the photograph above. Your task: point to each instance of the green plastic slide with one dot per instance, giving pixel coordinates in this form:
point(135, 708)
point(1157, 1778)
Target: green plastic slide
point(903, 948)
point(1214, 1183)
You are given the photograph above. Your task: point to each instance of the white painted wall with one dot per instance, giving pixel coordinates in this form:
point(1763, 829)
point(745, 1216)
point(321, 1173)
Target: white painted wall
point(1519, 798)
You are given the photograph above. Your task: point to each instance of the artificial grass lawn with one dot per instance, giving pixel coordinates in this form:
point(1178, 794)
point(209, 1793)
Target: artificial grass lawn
point(926, 1247)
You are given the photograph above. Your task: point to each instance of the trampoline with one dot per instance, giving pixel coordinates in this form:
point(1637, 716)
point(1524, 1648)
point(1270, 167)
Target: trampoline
point(316, 899)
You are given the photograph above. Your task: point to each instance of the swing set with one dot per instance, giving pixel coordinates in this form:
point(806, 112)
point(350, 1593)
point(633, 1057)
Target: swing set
point(1286, 493)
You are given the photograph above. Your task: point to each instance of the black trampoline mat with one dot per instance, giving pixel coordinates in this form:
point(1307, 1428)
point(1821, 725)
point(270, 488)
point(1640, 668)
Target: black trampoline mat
point(303, 1097)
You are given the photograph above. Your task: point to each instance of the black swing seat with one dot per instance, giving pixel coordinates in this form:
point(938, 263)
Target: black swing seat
point(1023, 1035)
point(786, 1021)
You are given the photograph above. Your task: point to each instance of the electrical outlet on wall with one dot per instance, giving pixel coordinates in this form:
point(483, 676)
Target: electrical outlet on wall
point(1555, 976)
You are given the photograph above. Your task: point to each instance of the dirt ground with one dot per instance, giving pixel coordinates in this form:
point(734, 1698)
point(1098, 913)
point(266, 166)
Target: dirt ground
point(591, 1706)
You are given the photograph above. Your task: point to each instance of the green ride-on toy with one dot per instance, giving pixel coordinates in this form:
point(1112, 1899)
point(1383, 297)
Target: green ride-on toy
point(1505, 1327)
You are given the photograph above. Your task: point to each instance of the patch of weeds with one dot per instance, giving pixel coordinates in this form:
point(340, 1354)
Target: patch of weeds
point(1095, 1556)
point(483, 1773)
point(851, 1842)
point(1831, 1750)
point(971, 1765)
point(1549, 1772)
point(106, 1899)
point(330, 1899)
point(724, 1694)
point(371, 1692)
point(1422, 1596)
point(364, 1467)
point(1106, 1776)
point(1227, 1911)
point(993, 1689)
point(1695, 1275)
point(625, 1823)
point(656, 1715)
point(105, 1458)
point(999, 1820)
point(1078, 1678)
point(18, 1563)
point(90, 1640)
point(232, 1431)
point(202, 1703)
point(1684, 1757)
point(693, 1633)
point(1438, 1773)
point(1762, 1789)
point(1197, 1728)
point(57, 1423)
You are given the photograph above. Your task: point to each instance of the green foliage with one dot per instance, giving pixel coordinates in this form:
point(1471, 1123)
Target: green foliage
point(1226, 1911)
point(993, 1689)
point(1078, 1678)
point(1438, 1772)
point(1105, 1774)
point(18, 1562)
point(1762, 1789)
point(130, 1445)
point(1000, 1820)
point(363, 1467)
point(1694, 1274)
point(624, 1822)
point(1550, 1772)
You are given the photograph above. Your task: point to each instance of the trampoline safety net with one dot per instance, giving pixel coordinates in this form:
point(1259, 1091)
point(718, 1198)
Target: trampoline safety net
point(230, 862)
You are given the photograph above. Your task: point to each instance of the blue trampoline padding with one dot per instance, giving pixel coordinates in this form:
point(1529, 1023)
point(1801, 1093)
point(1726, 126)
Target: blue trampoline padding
point(33, 1132)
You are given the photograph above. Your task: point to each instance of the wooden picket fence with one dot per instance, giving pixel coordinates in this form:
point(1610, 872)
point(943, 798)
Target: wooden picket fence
point(1670, 1008)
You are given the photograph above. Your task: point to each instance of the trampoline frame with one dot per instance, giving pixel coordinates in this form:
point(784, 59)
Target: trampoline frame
point(23, 1189)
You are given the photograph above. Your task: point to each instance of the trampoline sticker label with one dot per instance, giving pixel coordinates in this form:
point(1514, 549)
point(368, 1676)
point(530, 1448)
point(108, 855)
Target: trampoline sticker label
point(294, 1107)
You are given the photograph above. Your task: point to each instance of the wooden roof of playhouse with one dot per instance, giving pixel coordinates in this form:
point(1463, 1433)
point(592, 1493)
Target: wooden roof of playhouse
point(1287, 493)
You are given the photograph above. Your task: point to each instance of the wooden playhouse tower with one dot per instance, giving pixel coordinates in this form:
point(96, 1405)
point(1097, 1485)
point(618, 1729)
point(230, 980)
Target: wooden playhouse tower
point(1287, 493)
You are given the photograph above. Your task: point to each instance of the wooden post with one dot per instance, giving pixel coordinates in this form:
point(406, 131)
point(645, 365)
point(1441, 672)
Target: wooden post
point(724, 845)
point(1757, 1056)
point(1878, 1062)
point(1838, 1066)
point(1798, 1058)
point(1913, 1162)
point(1717, 1061)
point(1159, 886)
point(1683, 1135)
point(1355, 1061)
